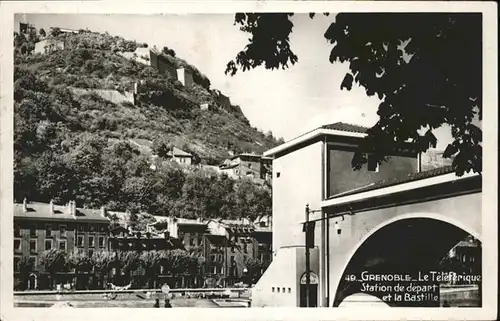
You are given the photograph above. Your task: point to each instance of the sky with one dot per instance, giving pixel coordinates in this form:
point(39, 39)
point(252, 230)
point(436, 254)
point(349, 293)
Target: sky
point(287, 102)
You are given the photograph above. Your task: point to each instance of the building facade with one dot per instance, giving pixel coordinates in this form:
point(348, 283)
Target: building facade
point(232, 249)
point(358, 215)
point(39, 227)
point(248, 165)
point(180, 156)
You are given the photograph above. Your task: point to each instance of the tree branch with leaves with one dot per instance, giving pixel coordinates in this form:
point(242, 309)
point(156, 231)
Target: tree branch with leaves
point(426, 69)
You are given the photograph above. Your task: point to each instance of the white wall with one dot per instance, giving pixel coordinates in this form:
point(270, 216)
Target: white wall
point(464, 211)
point(284, 273)
point(113, 96)
point(299, 183)
point(180, 76)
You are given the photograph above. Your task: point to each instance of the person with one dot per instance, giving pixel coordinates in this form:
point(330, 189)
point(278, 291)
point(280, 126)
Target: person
point(446, 304)
point(167, 303)
point(157, 303)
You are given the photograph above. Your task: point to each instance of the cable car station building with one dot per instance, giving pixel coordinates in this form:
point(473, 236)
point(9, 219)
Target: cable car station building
point(390, 218)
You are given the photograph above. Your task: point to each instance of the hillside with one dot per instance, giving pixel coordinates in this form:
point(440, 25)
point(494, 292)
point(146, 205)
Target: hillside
point(77, 108)
point(163, 108)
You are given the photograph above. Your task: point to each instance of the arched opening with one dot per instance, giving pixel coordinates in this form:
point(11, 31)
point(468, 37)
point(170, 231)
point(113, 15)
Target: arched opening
point(32, 281)
point(416, 261)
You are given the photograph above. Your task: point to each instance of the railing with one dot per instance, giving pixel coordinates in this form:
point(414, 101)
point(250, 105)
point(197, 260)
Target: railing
point(197, 290)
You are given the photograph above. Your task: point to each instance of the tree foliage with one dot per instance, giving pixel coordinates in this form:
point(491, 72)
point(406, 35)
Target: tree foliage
point(53, 260)
point(76, 146)
point(79, 261)
point(425, 68)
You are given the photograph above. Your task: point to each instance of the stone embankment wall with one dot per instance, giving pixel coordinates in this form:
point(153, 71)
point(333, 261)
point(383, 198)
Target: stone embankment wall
point(111, 95)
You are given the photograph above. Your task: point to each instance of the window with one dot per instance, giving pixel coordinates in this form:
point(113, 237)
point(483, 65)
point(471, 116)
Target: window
point(232, 249)
point(48, 230)
point(62, 245)
point(91, 241)
point(283, 290)
point(48, 244)
point(101, 242)
point(192, 241)
point(272, 289)
point(17, 231)
point(16, 263)
point(33, 231)
point(79, 241)
point(289, 290)
point(372, 164)
point(91, 252)
point(92, 228)
point(102, 228)
point(278, 174)
point(17, 245)
point(33, 246)
point(278, 289)
point(62, 230)
point(81, 228)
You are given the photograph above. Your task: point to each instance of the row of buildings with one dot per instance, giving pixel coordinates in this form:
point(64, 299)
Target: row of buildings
point(226, 245)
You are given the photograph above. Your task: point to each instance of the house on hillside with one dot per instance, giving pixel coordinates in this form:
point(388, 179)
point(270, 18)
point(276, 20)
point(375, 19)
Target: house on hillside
point(248, 165)
point(433, 158)
point(180, 156)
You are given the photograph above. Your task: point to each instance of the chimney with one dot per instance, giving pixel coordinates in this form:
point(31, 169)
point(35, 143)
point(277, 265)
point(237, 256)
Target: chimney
point(103, 211)
point(51, 206)
point(72, 208)
point(25, 205)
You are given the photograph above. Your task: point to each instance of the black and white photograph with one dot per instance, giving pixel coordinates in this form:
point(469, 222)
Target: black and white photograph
point(253, 157)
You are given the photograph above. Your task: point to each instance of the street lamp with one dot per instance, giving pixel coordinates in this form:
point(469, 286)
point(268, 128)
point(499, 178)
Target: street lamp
point(309, 243)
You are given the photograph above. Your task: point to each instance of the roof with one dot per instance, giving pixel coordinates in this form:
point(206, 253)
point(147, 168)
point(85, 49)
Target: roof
point(335, 129)
point(246, 155)
point(263, 229)
point(223, 167)
point(216, 239)
point(42, 211)
point(395, 181)
point(345, 127)
point(179, 152)
point(187, 221)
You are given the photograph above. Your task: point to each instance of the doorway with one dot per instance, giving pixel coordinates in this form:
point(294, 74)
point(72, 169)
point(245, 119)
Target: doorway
point(32, 282)
point(313, 291)
point(313, 296)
